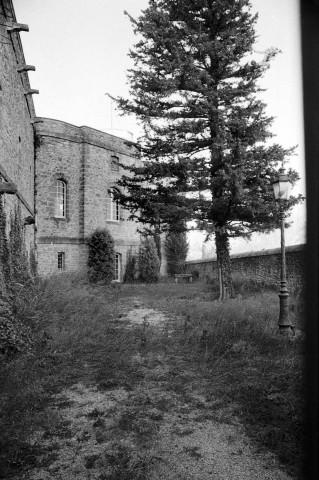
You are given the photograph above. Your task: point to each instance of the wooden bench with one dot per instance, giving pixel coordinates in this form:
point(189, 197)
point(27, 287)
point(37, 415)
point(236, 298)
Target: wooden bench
point(186, 276)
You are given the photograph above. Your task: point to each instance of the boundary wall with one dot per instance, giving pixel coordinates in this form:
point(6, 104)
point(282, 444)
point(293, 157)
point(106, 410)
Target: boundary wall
point(264, 265)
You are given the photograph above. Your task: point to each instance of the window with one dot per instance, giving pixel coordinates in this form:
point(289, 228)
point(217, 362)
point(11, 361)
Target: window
point(60, 196)
point(113, 207)
point(118, 267)
point(115, 163)
point(61, 260)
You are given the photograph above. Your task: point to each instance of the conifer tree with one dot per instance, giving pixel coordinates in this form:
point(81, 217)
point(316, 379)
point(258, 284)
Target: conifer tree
point(101, 256)
point(176, 249)
point(206, 150)
point(148, 261)
point(130, 274)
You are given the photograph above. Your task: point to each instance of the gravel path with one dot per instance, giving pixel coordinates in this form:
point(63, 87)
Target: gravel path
point(187, 441)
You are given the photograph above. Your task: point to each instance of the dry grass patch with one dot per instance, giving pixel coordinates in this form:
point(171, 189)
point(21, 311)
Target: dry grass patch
point(101, 385)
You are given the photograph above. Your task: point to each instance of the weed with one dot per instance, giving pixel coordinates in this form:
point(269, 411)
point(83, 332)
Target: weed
point(244, 367)
point(182, 432)
point(125, 462)
point(193, 452)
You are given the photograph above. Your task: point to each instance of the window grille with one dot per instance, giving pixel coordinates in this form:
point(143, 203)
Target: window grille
point(61, 260)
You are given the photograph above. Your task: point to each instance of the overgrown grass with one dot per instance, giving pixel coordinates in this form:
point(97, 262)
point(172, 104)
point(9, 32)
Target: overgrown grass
point(80, 336)
point(76, 338)
point(246, 362)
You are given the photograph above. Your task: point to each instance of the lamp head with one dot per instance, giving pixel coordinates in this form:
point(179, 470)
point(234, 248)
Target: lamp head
point(282, 186)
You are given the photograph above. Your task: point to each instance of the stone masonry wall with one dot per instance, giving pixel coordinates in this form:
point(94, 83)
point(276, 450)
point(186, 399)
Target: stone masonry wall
point(81, 156)
point(259, 266)
point(16, 117)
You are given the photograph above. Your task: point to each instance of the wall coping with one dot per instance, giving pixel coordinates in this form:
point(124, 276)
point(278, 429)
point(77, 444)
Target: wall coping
point(274, 251)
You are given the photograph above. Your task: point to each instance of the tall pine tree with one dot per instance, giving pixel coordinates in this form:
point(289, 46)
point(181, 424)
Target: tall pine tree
point(205, 148)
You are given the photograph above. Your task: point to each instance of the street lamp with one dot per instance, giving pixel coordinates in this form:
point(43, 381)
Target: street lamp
point(282, 187)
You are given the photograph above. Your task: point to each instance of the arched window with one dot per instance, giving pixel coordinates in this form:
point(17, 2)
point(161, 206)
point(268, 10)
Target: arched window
point(60, 199)
point(113, 206)
point(115, 163)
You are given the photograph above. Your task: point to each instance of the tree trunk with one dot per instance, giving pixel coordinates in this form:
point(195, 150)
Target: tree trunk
point(224, 266)
point(220, 282)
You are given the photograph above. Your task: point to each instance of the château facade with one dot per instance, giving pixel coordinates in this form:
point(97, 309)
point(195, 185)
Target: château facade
point(16, 126)
point(61, 177)
point(76, 173)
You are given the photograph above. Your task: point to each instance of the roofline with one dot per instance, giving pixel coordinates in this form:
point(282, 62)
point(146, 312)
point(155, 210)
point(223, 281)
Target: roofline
point(39, 119)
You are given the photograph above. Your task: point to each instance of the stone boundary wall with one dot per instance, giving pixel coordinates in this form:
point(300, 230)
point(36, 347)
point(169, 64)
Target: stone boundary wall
point(260, 266)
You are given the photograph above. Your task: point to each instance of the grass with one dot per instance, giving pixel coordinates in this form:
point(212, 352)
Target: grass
point(80, 336)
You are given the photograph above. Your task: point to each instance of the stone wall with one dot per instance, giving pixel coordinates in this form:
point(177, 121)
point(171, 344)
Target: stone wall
point(16, 119)
point(259, 266)
point(82, 157)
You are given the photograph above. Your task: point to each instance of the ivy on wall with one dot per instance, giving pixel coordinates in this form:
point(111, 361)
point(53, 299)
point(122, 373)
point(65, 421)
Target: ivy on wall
point(15, 269)
point(18, 257)
point(4, 249)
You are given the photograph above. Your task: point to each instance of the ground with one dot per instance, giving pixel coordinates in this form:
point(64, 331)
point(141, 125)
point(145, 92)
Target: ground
point(151, 382)
point(161, 421)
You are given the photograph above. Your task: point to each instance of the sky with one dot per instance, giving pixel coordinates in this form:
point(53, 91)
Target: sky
point(80, 51)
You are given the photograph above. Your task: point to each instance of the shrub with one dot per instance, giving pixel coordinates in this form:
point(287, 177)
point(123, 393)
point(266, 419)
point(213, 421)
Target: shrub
point(195, 274)
point(176, 249)
point(148, 261)
point(101, 256)
point(33, 263)
point(130, 275)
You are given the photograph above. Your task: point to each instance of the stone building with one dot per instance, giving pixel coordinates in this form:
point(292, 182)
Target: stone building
point(61, 176)
point(16, 124)
point(76, 173)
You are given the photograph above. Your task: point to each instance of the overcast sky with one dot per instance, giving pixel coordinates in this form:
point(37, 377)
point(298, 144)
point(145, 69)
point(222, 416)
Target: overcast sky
point(80, 47)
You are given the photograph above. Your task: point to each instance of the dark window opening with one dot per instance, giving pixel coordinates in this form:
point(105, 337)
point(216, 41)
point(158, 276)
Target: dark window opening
point(115, 163)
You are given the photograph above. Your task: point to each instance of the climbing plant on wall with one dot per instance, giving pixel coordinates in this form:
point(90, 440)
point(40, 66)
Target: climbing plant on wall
point(18, 257)
point(4, 250)
point(15, 336)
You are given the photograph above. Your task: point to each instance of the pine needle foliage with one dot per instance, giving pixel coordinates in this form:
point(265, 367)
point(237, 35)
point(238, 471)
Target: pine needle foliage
point(131, 272)
point(101, 257)
point(176, 249)
point(148, 261)
point(207, 145)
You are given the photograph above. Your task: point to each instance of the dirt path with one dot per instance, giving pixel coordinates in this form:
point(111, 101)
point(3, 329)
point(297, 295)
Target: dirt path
point(164, 427)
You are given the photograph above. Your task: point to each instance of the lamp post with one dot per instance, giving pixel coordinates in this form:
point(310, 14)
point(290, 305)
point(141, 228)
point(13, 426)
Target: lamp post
point(282, 187)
